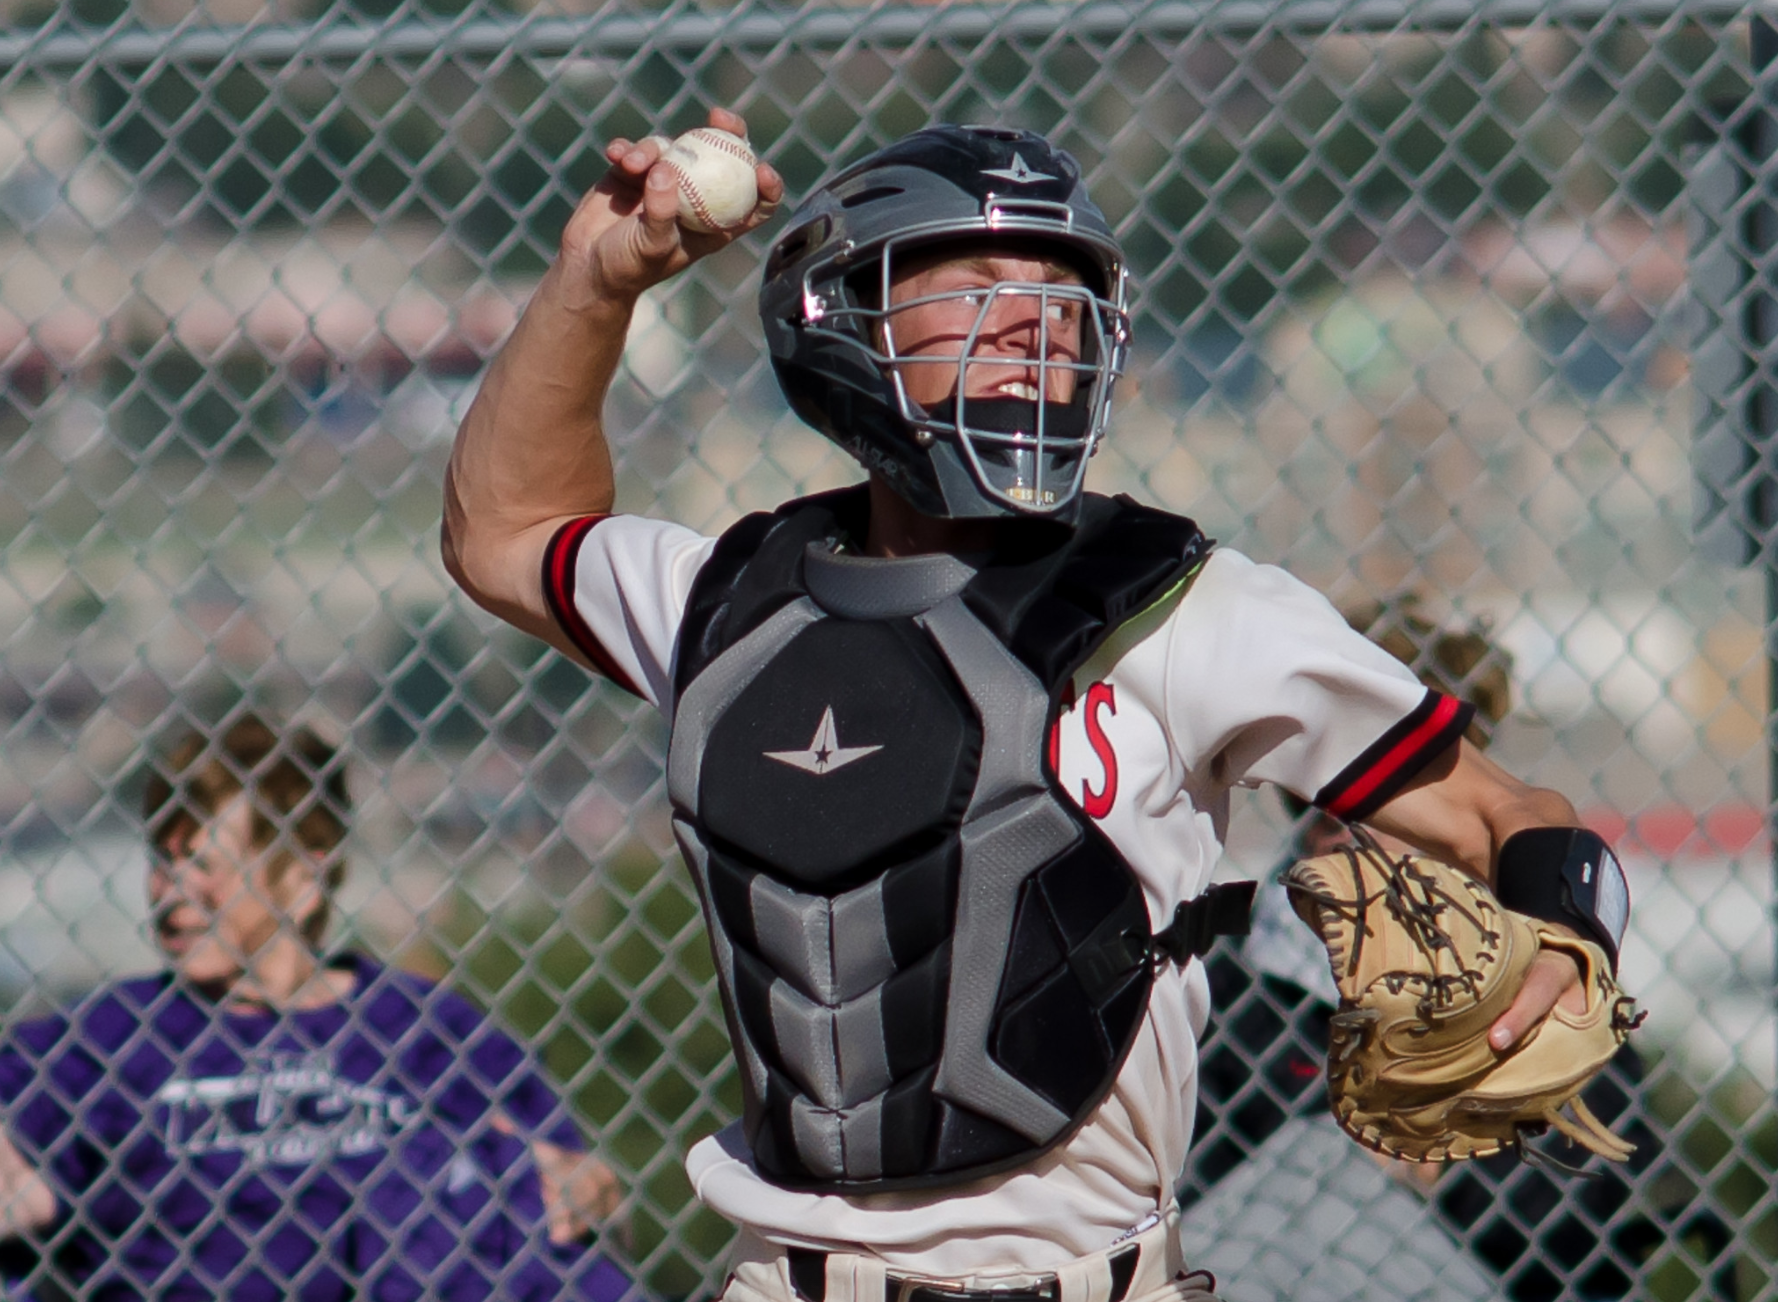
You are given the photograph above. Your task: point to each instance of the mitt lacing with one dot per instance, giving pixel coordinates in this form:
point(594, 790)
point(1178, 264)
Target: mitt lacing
point(1417, 912)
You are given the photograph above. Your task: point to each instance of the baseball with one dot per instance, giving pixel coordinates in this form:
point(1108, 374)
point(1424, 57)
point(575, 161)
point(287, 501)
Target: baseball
point(717, 189)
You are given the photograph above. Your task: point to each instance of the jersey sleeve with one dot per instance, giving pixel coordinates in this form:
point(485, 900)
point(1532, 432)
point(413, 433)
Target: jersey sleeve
point(1268, 683)
point(617, 585)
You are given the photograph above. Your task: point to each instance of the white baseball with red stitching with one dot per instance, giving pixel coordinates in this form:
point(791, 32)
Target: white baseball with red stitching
point(717, 186)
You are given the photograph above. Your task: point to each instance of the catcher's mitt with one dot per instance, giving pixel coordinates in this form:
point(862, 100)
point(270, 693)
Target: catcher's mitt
point(1426, 960)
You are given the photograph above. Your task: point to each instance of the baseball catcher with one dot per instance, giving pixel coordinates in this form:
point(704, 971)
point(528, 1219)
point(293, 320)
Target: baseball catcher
point(1426, 959)
point(952, 749)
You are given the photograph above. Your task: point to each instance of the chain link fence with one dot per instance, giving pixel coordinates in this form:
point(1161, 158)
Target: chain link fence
point(1412, 319)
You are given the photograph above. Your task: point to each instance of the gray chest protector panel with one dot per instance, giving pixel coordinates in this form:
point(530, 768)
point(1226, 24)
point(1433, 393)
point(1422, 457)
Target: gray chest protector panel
point(933, 964)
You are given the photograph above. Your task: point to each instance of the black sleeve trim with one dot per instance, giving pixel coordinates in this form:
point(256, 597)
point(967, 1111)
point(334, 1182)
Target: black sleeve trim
point(559, 560)
point(1391, 762)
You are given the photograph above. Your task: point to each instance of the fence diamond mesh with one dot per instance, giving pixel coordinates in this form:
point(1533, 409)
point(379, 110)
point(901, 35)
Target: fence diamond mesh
point(1415, 317)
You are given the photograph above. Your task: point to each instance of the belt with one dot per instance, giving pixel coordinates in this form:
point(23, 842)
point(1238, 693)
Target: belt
point(808, 1276)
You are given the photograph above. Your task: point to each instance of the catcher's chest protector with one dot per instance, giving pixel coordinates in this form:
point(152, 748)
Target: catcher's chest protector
point(933, 964)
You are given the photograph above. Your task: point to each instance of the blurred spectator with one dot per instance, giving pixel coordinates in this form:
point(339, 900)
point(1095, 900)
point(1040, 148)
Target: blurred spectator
point(263, 1121)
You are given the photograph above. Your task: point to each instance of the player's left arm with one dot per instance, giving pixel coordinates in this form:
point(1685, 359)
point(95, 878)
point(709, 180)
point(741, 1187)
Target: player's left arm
point(1460, 809)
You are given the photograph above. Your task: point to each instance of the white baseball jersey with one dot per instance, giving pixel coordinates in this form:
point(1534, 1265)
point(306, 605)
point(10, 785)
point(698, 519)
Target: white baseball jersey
point(1241, 676)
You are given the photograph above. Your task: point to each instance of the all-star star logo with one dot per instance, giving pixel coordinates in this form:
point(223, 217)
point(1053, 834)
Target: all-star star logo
point(825, 754)
point(1019, 173)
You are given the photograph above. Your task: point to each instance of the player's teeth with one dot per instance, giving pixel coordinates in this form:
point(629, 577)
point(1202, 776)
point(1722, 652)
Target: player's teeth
point(1019, 390)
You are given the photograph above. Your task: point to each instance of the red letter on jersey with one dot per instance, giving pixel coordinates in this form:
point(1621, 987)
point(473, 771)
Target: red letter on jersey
point(1097, 804)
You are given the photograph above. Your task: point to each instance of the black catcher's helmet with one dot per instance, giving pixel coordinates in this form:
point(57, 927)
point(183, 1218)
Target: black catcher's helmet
point(825, 306)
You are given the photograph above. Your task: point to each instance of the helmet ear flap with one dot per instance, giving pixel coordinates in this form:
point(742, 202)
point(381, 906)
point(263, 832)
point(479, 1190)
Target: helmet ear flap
point(863, 286)
point(796, 245)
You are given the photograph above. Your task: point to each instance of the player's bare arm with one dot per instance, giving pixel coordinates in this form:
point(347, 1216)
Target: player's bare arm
point(1464, 806)
point(1461, 811)
point(531, 453)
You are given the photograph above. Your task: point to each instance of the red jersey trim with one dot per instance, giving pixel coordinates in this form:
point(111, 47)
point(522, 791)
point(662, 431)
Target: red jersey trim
point(559, 560)
point(1392, 761)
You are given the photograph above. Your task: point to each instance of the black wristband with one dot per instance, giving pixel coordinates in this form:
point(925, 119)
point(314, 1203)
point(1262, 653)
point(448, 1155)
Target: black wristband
point(1567, 875)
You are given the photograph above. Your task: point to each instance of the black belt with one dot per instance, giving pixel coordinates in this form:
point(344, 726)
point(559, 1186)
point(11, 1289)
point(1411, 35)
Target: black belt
point(808, 1276)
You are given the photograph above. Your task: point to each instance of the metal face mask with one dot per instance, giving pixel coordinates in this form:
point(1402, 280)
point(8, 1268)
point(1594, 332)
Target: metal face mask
point(1013, 377)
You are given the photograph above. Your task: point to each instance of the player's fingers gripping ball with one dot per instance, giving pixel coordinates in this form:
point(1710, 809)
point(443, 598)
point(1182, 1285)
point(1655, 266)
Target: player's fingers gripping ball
point(1426, 959)
point(718, 186)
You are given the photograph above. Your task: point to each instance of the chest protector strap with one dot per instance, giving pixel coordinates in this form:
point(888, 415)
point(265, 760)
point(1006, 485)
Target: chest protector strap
point(932, 963)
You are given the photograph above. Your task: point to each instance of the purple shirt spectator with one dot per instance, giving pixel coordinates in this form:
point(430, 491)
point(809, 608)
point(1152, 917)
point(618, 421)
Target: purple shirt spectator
point(346, 1151)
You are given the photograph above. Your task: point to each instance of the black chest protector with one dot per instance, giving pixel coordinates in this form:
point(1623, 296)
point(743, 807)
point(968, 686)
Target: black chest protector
point(933, 964)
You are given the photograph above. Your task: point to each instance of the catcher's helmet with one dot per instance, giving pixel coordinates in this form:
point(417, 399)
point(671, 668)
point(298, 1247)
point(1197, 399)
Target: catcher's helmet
point(825, 306)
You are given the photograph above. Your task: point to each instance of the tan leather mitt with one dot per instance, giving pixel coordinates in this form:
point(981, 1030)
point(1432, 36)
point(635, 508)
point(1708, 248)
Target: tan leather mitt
point(1426, 960)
